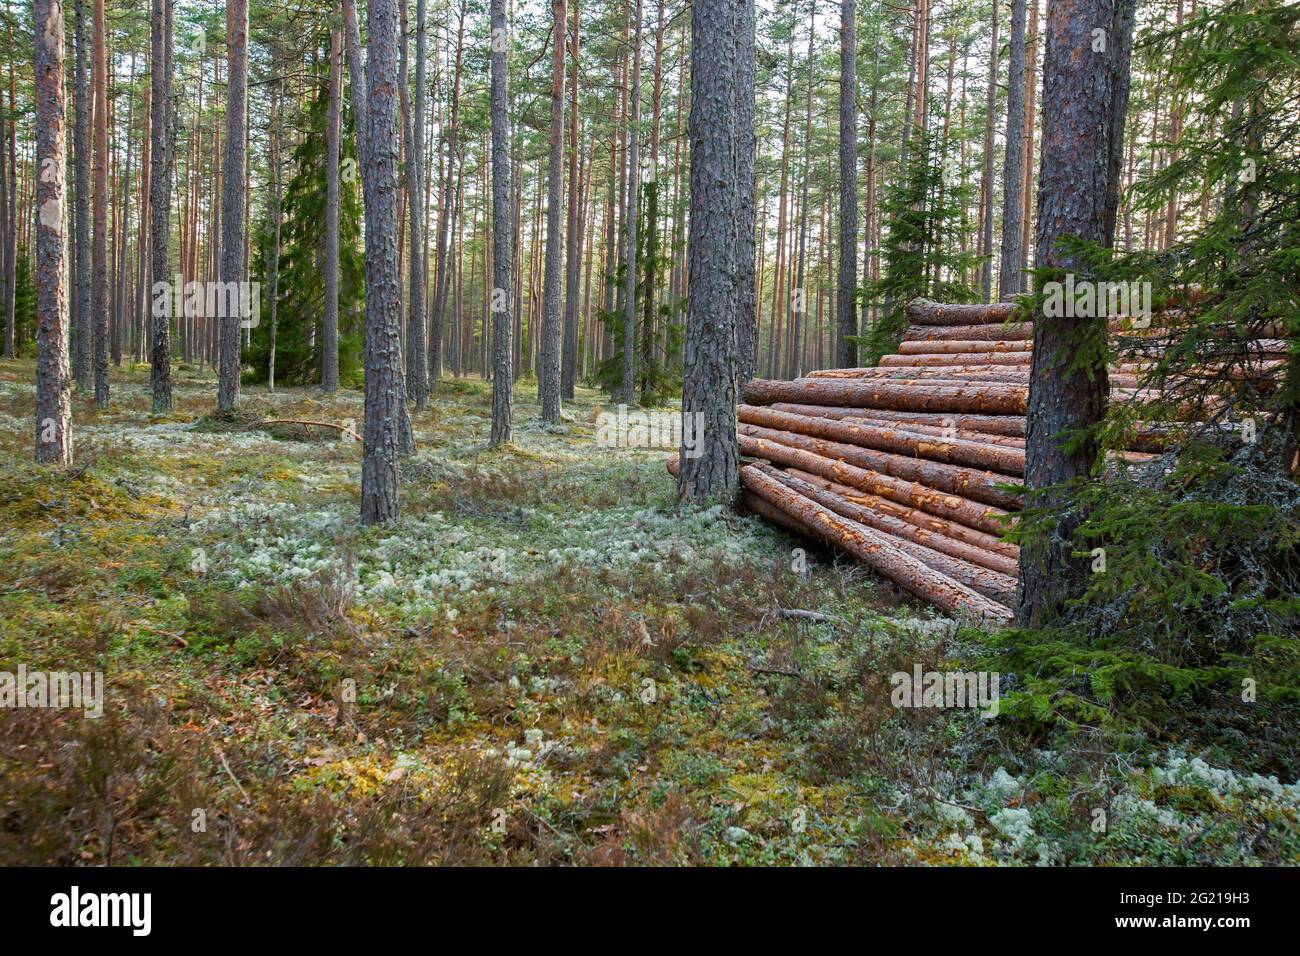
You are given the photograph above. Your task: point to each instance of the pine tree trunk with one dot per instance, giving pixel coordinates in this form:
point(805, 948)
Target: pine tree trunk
point(986, 200)
point(385, 406)
point(502, 239)
point(548, 370)
point(1082, 90)
point(417, 383)
point(160, 186)
point(99, 251)
point(329, 364)
point(710, 473)
point(273, 268)
point(53, 384)
point(232, 203)
point(747, 298)
point(1009, 278)
point(568, 365)
point(633, 168)
point(847, 289)
point(444, 216)
point(83, 335)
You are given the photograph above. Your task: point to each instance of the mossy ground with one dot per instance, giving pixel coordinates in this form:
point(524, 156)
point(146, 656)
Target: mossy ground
point(542, 661)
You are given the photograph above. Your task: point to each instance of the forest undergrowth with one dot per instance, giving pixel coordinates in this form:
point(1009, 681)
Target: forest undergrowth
point(541, 661)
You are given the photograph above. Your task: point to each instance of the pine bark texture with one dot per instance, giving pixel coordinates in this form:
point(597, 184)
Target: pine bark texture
point(329, 362)
point(548, 378)
point(234, 184)
point(502, 234)
point(746, 147)
point(160, 190)
point(846, 300)
point(385, 405)
point(53, 381)
point(1080, 83)
point(82, 335)
point(417, 382)
point(709, 389)
point(99, 242)
point(1010, 281)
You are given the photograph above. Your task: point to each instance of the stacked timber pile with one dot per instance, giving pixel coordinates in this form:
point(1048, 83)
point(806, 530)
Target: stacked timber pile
point(913, 467)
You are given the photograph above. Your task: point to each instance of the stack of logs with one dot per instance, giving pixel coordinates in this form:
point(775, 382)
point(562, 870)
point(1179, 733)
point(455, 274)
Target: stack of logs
point(912, 467)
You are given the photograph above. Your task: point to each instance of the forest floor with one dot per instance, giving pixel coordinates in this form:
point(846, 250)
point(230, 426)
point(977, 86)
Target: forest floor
point(542, 661)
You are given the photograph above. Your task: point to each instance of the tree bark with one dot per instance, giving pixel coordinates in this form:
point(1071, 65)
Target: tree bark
point(569, 358)
point(83, 335)
point(417, 383)
point(502, 244)
point(709, 371)
point(552, 333)
point(986, 226)
point(1009, 276)
point(385, 404)
point(847, 291)
point(746, 146)
point(99, 251)
point(1067, 396)
point(234, 184)
point(329, 361)
point(160, 198)
point(53, 384)
point(633, 168)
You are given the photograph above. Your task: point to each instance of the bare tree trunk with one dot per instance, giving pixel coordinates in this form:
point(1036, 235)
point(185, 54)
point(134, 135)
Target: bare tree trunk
point(986, 189)
point(710, 469)
point(633, 168)
point(847, 289)
point(99, 252)
point(548, 377)
point(445, 211)
point(568, 365)
point(232, 202)
point(53, 383)
point(160, 188)
point(417, 383)
point(329, 360)
point(1085, 92)
point(273, 270)
point(1009, 277)
point(799, 299)
point(384, 390)
point(503, 380)
point(83, 335)
point(746, 146)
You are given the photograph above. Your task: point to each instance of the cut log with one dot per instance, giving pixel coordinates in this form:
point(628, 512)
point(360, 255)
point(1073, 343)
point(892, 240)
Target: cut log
point(981, 486)
point(961, 562)
point(976, 359)
point(998, 554)
point(973, 514)
point(1003, 425)
point(1008, 461)
point(958, 374)
point(956, 346)
point(877, 418)
point(987, 399)
point(929, 312)
point(879, 550)
point(991, 331)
